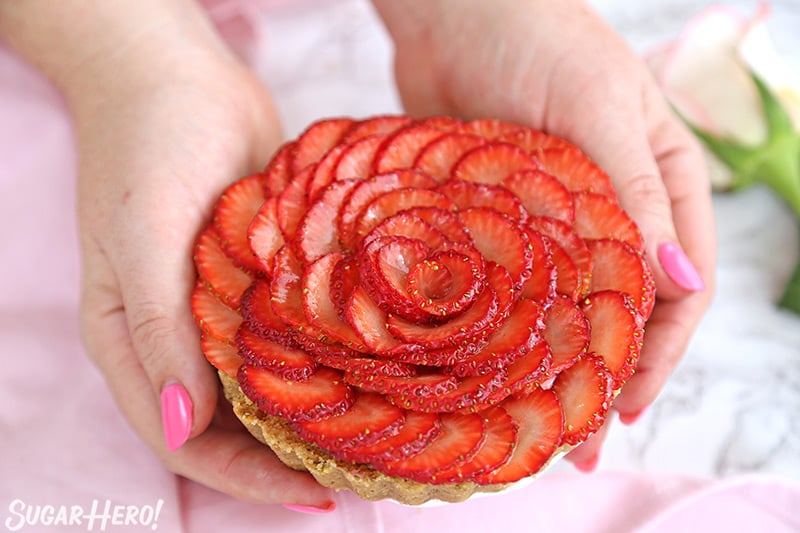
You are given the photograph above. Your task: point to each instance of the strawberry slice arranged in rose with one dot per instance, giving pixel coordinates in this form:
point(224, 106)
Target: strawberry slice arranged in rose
point(440, 301)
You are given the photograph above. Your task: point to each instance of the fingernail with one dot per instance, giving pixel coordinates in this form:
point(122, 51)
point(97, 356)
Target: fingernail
point(679, 268)
point(176, 415)
point(589, 465)
point(631, 418)
point(309, 509)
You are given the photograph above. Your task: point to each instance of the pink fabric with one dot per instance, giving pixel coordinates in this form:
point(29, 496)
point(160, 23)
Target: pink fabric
point(63, 442)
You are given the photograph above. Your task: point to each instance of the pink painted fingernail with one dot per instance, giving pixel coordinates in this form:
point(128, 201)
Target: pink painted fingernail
point(631, 418)
point(309, 509)
point(589, 465)
point(176, 415)
point(679, 268)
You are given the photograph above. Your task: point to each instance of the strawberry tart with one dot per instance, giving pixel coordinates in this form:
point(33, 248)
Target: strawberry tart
point(422, 309)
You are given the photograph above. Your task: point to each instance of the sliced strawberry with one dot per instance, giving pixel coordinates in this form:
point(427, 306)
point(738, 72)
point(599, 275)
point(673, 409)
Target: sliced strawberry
point(442, 123)
point(565, 237)
point(445, 284)
point(407, 225)
point(584, 391)
point(599, 217)
point(222, 355)
point(515, 338)
point(569, 281)
point(496, 449)
point(226, 280)
point(325, 351)
point(258, 314)
point(489, 128)
point(541, 194)
point(467, 194)
point(617, 266)
point(617, 332)
point(368, 190)
point(401, 149)
point(356, 161)
point(470, 391)
point(446, 222)
point(423, 386)
point(317, 140)
point(576, 171)
point(397, 200)
point(236, 207)
point(458, 441)
point(319, 308)
point(286, 362)
point(439, 156)
point(322, 395)
point(369, 322)
point(416, 433)
point(276, 176)
point(566, 332)
point(318, 233)
point(286, 288)
point(540, 424)
point(369, 419)
point(323, 174)
point(366, 367)
point(292, 203)
point(344, 279)
point(265, 235)
point(541, 285)
point(499, 239)
point(492, 163)
point(527, 372)
point(532, 141)
point(381, 125)
point(212, 316)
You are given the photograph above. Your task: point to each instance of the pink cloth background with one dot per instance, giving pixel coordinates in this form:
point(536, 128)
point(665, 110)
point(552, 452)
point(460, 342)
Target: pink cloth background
point(63, 442)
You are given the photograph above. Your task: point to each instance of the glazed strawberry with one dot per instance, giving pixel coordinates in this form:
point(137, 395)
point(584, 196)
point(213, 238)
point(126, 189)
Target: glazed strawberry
point(542, 283)
point(418, 430)
point(317, 140)
point(401, 149)
point(421, 386)
point(323, 394)
point(600, 217)
point(279, 172)
point(316, 236)
point(584, 391)
point(382, 125)
point(617, 266)
point(532, 141)
point(466, 194)
point(489, 128)
point(236, 208)
point(321, 175)
point(258, 314)
point(293, 202)
point(212, 316)
point(356, 161)
point(576, 171)
point(541, 194)
point(564, 236)
point(226, 280)
point(264, 235)
point(493, 163)
point(287, 362)
point(223, 355)
point(368, 420)
point(617, 332)
point(540, 424)
point(395, 201)
point(438, 157)
point(318, 305)
point(566, 331)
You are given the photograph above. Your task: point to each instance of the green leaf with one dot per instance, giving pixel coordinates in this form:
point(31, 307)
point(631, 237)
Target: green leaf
point(791, 294)
point(779, 122)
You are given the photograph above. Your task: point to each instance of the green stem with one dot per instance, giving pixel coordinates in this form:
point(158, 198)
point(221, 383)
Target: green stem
point(791, 294)
point(780, 169)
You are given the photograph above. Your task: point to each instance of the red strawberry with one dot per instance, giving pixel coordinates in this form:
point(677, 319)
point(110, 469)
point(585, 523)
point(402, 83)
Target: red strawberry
point(369, 419)
point(532, 141)
point(446, 222)
point(401, 149)
point(599, 217)
point(439, 156)
point(576, 171)
point(278, 173)
point(227, 281)
point(286, 289)
point(496, 449)
point(258, 314)
point(322, 395)
point(265, 236)
point(422, 386)
point(469, 391)
point(286, 362)
point(492, 163)
point(318, 233)
point(466, 194)
point(527, 372)
point(584, 391)
point(323, 173)
point(565, 237)
point(541, 194)
point(212, 316)
point(394, 201)
point(458, 441)
point(489, 128)
point(616, 266)
point(445, 284)
point(235, 209)
point(369, 322)
point(356, 161)
point(317, 140)
point(541, 285)
point(382, 125)
point(566, 332)
point(364, 367)
point(540, 424)
point(224, 356)
point(617, 332)
point(442, 123)
point(292, 203)
point(409, 226)
point(418, 430)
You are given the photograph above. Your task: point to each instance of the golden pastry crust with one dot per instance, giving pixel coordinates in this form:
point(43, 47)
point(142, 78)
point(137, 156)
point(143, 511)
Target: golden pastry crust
point(366, 482)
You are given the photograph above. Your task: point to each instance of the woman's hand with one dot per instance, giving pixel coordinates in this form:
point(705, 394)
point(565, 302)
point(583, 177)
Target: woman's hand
point(166, 118)
point(558, 67)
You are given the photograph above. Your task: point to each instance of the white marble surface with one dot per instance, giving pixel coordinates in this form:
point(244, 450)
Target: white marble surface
point(733, 405)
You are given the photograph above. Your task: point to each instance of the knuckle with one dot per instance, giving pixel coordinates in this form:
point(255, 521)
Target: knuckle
point(152, 327)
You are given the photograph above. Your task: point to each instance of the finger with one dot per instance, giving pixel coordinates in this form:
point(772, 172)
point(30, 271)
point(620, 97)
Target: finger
point(586, 456)
point(228, 460)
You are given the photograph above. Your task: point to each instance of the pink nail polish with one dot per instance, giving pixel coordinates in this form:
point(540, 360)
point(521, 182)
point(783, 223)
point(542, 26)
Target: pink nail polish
point(679, 268)
point(308, 509)
point(176, 415)
point(631, 418)
point(589, 465)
